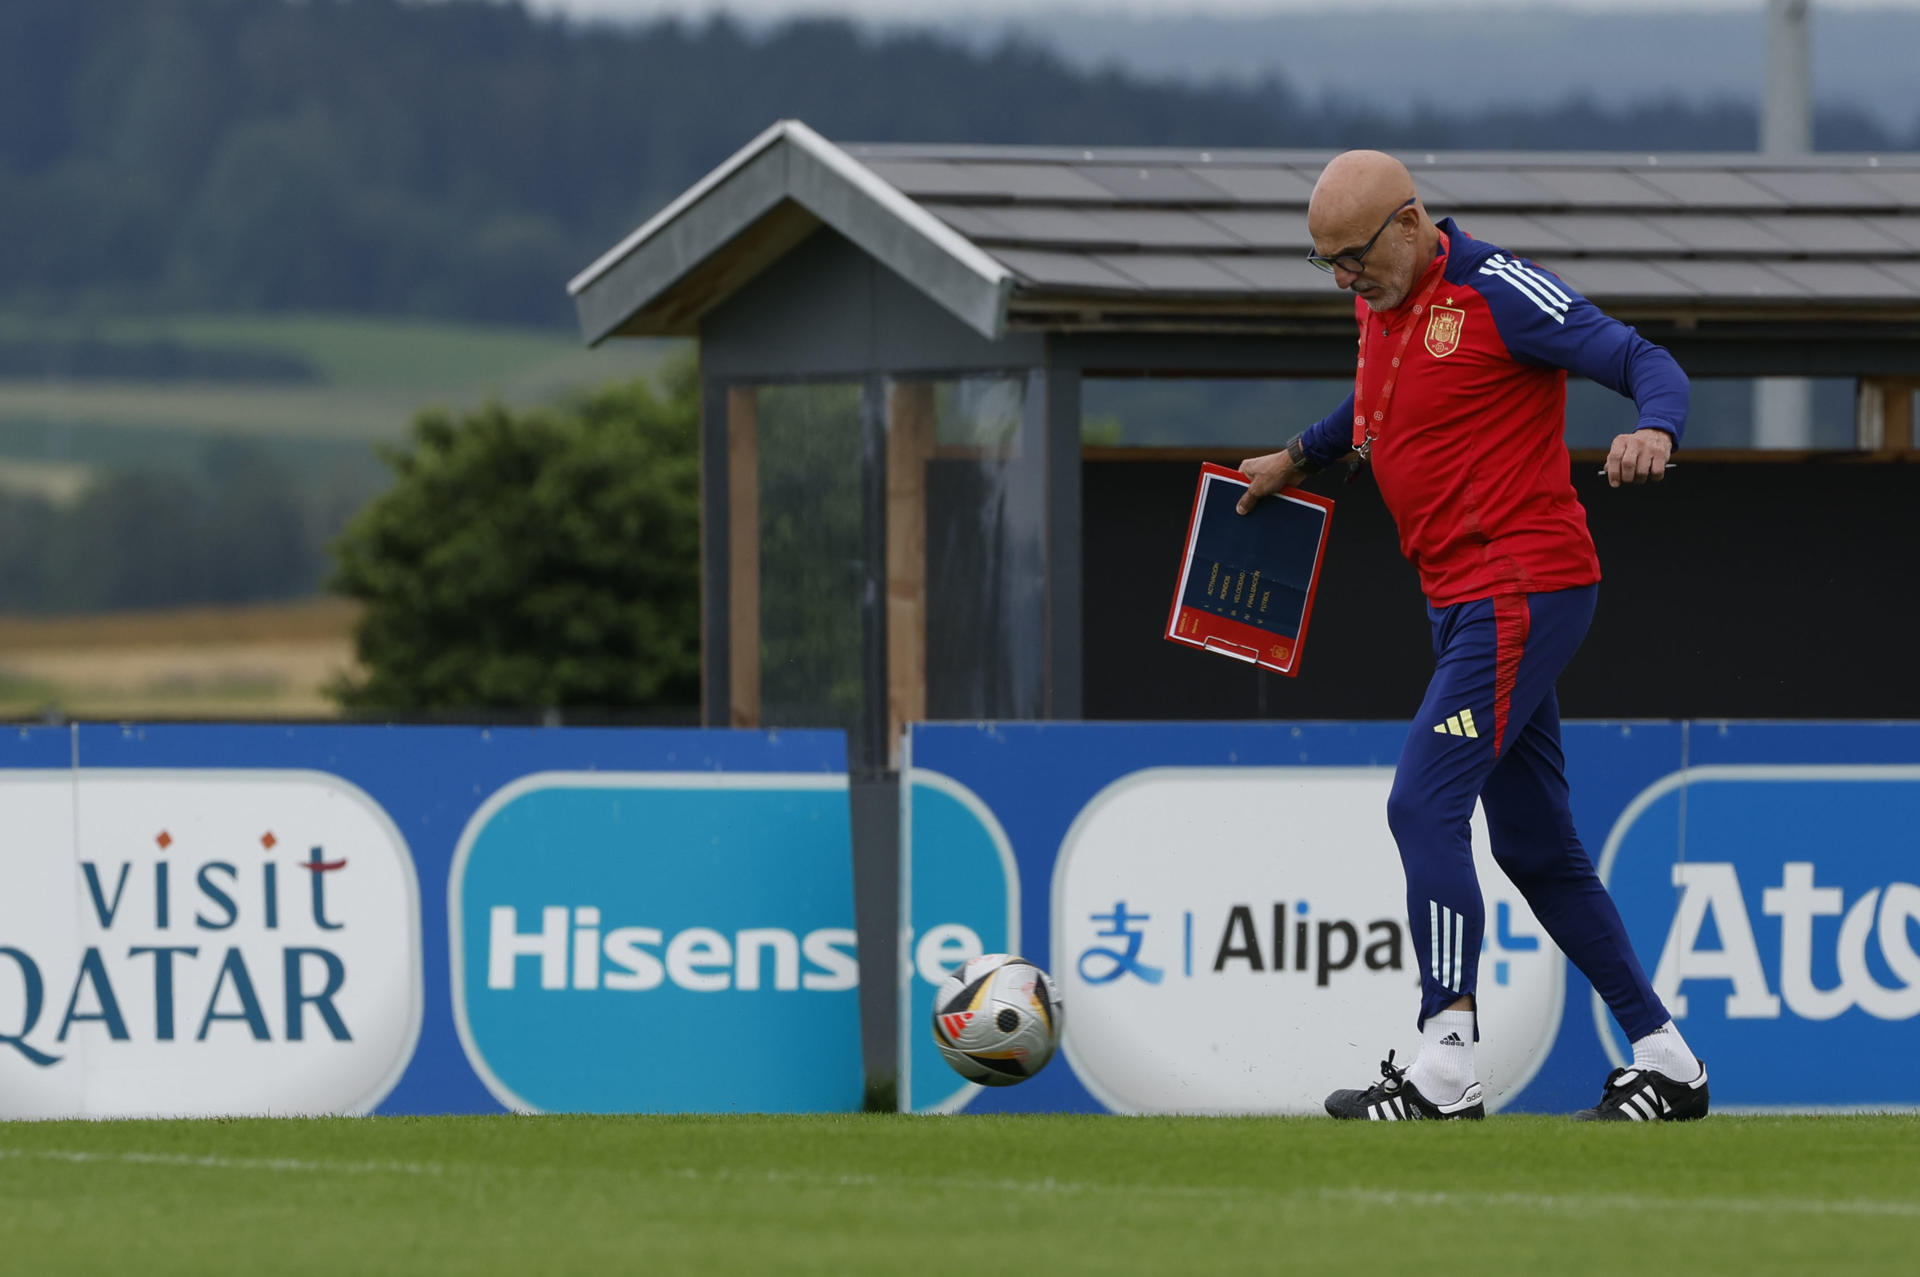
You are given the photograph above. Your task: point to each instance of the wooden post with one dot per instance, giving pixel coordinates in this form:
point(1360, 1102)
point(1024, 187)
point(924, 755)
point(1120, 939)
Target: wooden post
point(1885, 416)
point(910, 436)
point(743, 556)
point(1898, 414)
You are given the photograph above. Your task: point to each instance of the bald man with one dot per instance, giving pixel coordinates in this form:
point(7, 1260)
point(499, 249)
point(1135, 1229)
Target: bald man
point(1459, 406)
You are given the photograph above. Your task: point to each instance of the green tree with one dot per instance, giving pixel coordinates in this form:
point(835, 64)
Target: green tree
point(546, 559)
point(462, 158)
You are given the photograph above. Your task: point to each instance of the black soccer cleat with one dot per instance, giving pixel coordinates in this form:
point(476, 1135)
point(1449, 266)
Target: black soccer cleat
point(1394, 1099)
point(1643, 1095)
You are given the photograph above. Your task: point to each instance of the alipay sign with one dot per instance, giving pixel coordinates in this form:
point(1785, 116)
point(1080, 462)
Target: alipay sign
point(1224, 910)
point(249, 920)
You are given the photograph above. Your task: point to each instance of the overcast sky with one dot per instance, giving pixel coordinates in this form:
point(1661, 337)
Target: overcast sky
point(945, 11)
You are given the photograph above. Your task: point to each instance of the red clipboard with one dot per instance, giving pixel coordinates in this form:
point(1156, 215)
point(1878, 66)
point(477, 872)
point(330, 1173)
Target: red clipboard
point(1246, 584)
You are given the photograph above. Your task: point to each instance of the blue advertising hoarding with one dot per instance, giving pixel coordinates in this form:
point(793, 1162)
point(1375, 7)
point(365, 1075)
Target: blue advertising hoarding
point(1223, 910)
point(206, 919)
point(226, 919)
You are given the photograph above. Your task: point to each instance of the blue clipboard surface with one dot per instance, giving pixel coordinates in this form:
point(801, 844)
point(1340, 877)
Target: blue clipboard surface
point(1247, 582)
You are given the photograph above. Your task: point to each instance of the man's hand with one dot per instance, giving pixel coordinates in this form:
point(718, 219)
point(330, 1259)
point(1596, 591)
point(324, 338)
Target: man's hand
point(1269, 474)
point(1640, 457)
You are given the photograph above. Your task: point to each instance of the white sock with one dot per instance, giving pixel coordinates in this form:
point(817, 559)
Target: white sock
point(1665, 1051)
point(1444, 1069)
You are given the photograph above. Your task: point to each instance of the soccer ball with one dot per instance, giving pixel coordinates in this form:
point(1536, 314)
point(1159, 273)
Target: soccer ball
point(997, 1020)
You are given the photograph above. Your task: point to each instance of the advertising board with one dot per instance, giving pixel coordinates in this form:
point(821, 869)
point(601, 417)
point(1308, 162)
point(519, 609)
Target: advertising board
point(1785, 935)
point(1224, 911)
point(243, 941)
point(224, 920)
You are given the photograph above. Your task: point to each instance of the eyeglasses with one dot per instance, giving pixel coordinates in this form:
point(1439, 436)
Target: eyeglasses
point(1354, 263)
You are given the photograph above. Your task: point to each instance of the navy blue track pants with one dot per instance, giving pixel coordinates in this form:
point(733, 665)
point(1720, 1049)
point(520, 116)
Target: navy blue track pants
point(1489, 729)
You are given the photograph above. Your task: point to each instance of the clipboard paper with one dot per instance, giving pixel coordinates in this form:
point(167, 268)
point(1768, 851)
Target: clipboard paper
point(1247, 582)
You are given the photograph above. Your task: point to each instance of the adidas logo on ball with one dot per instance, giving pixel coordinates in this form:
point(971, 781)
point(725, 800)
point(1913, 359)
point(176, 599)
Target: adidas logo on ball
point(997, 1020)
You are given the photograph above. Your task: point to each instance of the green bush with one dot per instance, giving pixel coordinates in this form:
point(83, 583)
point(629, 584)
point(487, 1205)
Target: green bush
point(536, 560)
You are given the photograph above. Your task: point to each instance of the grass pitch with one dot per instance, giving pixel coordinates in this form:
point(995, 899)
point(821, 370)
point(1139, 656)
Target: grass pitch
point(879, 1194)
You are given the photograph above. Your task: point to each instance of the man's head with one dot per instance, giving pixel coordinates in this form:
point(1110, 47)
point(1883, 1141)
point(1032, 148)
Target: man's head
point(1366, 212)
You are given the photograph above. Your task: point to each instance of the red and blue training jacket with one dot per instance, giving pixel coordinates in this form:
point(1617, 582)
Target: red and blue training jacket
point(1471, 455)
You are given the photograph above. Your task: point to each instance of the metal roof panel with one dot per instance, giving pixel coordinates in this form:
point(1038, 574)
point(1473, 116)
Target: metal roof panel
point(1710, 188)
point(993, 181)
point(1527, 235)
point(1434, 191)
point(1285, 230)
point(1608, 233)
point(1602, 188)
point(1903, 186)
point(1043, 226)
point(1830, 233)
point(1745, 161)
point(923, 179)
point(1165, 228)
point(1904, 227)
point(1064, 270)
point(1605, 280)
point(975, 223)
point(1176, 273)
point(1152, 184)
point(1147, 228)
point(1278, 274)
point(1840, 281)
point(1718, 233)
point(1907, 273)
point(1259, 185)
point(1822, 189)
point(1723, 279)
point(1489, 188)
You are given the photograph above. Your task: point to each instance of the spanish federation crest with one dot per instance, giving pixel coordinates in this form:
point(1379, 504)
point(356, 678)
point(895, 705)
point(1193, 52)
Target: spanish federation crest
point(1444, 324)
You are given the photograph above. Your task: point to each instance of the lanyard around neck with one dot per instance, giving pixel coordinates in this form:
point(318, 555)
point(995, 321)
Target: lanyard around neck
point(1367, 426)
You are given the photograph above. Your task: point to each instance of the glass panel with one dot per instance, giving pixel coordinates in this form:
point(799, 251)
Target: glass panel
point(985, 563)
point(1263, 412)
point(1234, 414)
point(1723, 414)
point(812, 569)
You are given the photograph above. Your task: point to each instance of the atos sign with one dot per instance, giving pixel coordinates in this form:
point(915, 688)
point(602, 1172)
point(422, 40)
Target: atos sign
point(1783, 906)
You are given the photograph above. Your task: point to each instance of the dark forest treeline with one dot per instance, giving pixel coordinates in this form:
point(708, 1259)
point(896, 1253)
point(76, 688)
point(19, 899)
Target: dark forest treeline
point(465, 158)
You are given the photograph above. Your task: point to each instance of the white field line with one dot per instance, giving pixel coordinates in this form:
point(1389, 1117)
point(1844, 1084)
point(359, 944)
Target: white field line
point(223, 1163)
point(1543, 1203)
point(1548, 1203)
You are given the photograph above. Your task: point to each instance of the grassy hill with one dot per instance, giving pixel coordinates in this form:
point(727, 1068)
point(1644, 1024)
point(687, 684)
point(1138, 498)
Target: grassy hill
point(352, 379)
point(252, 661)
point(179, 460)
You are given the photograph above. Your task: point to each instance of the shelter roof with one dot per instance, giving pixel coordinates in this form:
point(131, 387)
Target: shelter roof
point(1066, 238)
